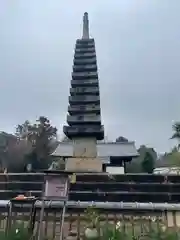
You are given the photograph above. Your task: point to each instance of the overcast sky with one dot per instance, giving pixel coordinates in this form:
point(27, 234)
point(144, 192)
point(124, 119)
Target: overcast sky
point(138, 52)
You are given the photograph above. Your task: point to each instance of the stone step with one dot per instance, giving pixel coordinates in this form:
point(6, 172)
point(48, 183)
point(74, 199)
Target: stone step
point(101, 177)
point(71, 238)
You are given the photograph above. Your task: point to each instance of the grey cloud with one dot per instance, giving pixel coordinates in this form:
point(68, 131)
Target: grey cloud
point(138, 52)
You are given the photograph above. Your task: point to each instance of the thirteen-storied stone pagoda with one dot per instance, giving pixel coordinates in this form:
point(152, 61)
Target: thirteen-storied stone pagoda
point(83, 153)
point(84, 118)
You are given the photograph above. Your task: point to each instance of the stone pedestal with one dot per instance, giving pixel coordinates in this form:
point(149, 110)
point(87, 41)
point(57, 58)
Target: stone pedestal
point(85, 147)
point(83, 164)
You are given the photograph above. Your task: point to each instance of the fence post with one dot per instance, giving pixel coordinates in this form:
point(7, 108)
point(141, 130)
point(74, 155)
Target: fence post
point(177, 215)
point(171, 218)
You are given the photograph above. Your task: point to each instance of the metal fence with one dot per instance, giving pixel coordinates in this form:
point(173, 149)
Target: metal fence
point(135, 218)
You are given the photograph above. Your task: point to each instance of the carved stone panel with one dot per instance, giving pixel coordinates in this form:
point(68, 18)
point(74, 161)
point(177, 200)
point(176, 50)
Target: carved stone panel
point(85, 148)
point(84, 164)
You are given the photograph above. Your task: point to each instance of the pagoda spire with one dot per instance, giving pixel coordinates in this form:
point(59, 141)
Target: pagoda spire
point(85, 26)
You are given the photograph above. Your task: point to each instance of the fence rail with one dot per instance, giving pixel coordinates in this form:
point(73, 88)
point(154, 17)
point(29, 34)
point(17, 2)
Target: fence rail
point(137, 218)
point(4, 204)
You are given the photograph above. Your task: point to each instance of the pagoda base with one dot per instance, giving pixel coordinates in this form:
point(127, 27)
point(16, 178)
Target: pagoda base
point(83, 164)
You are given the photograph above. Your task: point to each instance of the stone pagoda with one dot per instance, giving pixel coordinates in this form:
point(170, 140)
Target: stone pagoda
point(84, 112)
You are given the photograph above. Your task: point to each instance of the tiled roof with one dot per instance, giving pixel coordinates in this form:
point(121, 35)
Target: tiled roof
point(113, 149)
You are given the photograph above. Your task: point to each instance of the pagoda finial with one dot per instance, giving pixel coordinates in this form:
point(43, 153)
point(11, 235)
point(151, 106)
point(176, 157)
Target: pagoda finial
point(85, 26)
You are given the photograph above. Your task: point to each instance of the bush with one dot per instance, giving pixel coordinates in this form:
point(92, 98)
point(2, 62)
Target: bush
point(117, 231)
point(17, 232)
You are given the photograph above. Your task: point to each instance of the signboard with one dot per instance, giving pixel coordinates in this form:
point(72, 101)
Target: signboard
point(56, 187)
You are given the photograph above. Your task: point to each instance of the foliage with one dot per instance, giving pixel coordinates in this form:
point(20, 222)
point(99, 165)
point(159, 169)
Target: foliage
point(163, 234)
point(135, 166)
point(12, 152)
point(176, 132)
point(32, 143)
point(121, 139)
point(174, 150)
point(57, 164)
point(22, 130)
point(92, 216)
point(171, 159)
point(17, 232)
point(148, 163)
point(40, 135)
point(110, 231)
point(117, 232)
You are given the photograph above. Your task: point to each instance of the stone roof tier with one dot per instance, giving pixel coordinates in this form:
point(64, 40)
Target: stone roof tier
point(110, 149)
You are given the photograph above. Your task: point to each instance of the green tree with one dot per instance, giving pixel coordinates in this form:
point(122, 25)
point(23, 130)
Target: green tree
point(135, 166)
point(176, 133)
point(12, 152)
point(171, 159)
point(148, 163)
point(22, 130)
point(121, 139)
point(43, 138)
